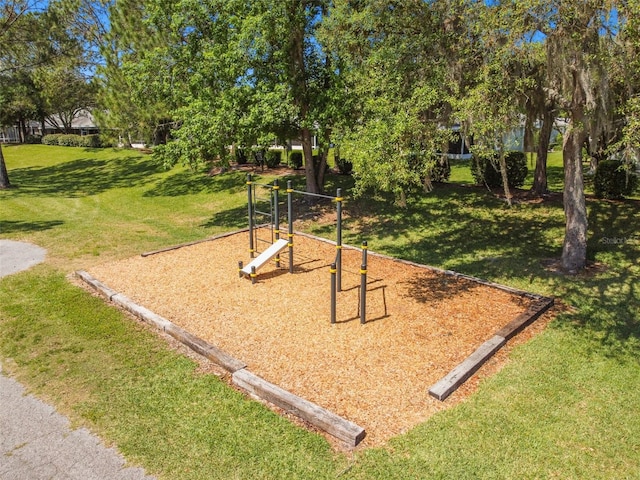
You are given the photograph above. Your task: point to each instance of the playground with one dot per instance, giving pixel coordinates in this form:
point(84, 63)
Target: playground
point(420, 323)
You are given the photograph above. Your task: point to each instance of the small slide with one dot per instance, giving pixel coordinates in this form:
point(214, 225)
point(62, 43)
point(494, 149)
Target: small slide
point(265, 256)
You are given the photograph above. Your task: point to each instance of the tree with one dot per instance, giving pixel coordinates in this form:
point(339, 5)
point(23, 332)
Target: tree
point(579, 84)
point(137, 83)
point(394, 68)
point(33, 37)
point(15, 15)
point(577, 37)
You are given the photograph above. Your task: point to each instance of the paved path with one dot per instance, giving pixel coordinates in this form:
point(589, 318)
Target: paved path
point(17, 256)
point(36, 442)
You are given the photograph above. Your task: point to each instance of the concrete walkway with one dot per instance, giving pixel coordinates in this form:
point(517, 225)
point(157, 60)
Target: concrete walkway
point(35, 441)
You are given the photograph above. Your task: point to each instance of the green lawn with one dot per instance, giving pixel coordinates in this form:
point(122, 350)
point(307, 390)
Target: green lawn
point(565, 406)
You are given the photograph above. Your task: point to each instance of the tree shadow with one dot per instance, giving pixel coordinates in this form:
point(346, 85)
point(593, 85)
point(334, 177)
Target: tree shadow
point(555, 178)
point(477, 235)
point(434, 287)
point(469, 230)
point(233, 218)
point(84, 177)
point(190, 183)
point(9, 226)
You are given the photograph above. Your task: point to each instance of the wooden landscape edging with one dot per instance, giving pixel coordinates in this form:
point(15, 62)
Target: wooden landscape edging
point(196, 344)
point(195, 242)
point(456, 377)
point(344, 430)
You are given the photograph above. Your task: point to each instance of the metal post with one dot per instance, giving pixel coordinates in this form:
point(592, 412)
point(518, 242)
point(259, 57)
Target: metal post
point(251, 226)
point(339, 238)
point(240, 266)
point(290, 218)
point(364, 252)
point(363, 294)
point(276, 213)
point(333, 292)
point(363, 284)
point(253, 274)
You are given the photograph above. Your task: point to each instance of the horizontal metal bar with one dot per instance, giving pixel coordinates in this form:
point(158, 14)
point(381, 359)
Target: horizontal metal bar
point(315, 194)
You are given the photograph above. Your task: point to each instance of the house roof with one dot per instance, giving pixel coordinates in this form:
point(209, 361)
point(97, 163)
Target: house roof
point(83, 119)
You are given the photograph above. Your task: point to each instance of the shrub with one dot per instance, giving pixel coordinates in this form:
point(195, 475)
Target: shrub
point(51, 139)
point(612, 180)
point(33, 139)
point(441, 170)
point(241, 157)
point(90, 141)
point(71, 140)
point(272, 158)
point(68, 140)
point(486, 169)
point(258, 157)
point(345, 167)
point(295, 160)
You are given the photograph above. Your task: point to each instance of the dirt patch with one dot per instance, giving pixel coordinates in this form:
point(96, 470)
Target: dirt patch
point(420, 324)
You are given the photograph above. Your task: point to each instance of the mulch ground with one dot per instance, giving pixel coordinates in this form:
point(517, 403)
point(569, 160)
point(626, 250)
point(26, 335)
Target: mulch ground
point(420, 324)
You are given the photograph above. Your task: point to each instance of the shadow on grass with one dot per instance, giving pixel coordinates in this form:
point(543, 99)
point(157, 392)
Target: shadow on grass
point(231, 219)
point(555, 178)
point(83, 177)
point(463, 228)
point(609, 301)
point(9, 226)
point(191, 182)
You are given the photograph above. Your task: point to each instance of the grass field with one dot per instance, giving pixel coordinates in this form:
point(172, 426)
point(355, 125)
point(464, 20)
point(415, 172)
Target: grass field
point(565, 406)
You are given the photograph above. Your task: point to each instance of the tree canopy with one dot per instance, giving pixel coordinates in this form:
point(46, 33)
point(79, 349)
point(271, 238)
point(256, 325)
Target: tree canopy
point(381, 81)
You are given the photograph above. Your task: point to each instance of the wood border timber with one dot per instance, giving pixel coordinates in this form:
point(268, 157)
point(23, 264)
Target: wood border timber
point(195, 242)
point(456, 377)
point(341, 428)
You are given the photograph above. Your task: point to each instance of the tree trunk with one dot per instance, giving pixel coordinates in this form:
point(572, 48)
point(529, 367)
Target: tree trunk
point(4, 175)
point(309, 166)
point(22, 128)
point(505, 178)
point(574, 248)
point(540, 186)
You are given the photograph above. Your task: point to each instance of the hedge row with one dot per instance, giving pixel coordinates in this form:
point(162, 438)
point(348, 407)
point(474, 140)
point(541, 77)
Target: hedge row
point(69, 140)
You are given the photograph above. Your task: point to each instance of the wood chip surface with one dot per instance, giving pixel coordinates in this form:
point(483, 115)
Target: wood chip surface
point(420, 323)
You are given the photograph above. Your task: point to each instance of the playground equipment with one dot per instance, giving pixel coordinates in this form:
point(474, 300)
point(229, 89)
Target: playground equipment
point(362, 305)
point(277, 245)
point(265, 256)
point(273, 217)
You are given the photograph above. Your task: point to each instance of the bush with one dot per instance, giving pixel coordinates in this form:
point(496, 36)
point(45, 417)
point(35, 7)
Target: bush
point(241, 157)
point(441, 170)
point(90, 141)
point(272, 158)
point(345, 167)
point(486, 169)
point(68, 140)
point(295, 160)
point(51, 139)
point(64, 140)
point(612, 180)
point(33, 139)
